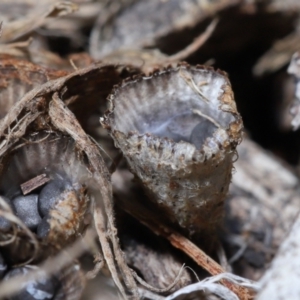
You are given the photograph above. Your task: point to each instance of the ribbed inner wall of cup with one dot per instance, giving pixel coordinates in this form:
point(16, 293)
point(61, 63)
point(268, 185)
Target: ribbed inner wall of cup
point(54, 156)
point(182, 106)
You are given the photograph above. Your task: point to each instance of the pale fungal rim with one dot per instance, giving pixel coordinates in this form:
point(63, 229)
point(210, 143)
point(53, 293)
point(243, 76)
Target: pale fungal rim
point(224, 137)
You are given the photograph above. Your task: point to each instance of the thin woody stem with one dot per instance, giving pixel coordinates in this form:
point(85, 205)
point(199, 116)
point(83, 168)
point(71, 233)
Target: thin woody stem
point(185, 245)
point(195, 45)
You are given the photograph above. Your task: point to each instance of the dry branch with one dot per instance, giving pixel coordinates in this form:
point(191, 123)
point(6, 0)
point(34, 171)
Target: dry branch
point(154, 222)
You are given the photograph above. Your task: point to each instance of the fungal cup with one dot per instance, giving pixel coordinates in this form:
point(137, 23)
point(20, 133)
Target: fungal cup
point(45, 180)
point(178, 130)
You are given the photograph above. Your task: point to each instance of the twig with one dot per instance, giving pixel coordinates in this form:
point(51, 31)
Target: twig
point(99, 263)
point(222, 258)
point(191, 83)
point(185, 245)
point(14, 219)
point(145, 294)
point(64, 120)
point(182, 243)
point(100, 227)
point(197, 111)
point(195, 45)
point(158, 290)
point(34, 183)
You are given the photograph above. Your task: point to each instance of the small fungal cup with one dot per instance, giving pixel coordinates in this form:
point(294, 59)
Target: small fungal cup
point(178, 130)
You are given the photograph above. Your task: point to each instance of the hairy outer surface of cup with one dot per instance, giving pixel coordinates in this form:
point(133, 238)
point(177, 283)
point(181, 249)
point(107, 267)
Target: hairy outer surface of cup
point(178, 130)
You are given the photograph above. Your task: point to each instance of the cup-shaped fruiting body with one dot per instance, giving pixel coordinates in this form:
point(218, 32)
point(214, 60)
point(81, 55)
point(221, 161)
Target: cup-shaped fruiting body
point(67, 284)
point(45, 181)
point(178, 130)
point(17, 77)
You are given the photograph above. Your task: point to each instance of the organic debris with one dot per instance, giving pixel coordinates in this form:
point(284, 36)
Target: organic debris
point(122, 168)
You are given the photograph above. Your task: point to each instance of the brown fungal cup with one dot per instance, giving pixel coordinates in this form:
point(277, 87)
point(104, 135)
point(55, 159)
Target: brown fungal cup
point(178, 130)
point(55, 208)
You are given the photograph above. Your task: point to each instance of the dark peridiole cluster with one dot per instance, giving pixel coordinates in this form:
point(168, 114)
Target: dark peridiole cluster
point(43, 183)
point(34, 209)
point(26, 208)
point(65, 284)
point(46, 288)
point(43, 289)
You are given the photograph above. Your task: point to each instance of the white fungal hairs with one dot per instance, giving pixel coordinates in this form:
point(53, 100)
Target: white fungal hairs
point(178, 130)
